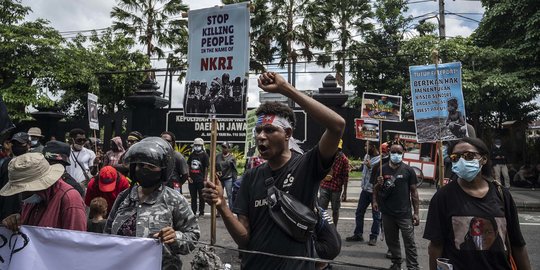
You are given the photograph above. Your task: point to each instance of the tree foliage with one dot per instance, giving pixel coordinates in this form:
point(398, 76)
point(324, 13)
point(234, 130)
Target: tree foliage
point(379, 66)
point(28, 53)
point(38, 64)
point(351, 18)
point(156, 24)
point(88, 65)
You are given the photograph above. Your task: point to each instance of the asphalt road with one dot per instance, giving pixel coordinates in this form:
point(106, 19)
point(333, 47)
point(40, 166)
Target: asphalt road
point(360, 252)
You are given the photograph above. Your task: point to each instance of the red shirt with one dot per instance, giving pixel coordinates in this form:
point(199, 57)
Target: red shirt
point(62, 207)
point(93, 192)
point(340, 174)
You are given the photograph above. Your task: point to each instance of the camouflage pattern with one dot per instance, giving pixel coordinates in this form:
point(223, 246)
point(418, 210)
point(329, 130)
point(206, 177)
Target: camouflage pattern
point(165, 207)
point(206, 259)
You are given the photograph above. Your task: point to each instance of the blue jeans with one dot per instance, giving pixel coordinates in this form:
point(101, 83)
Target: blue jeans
point(363, 203)
point(227, 186)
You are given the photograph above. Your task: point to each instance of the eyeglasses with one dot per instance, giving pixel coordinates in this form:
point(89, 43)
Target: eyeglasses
point(454, 157)
point(80, 141)
point(396, 152)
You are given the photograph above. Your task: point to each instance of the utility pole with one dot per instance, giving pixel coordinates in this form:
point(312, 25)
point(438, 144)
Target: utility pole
point(442, 24)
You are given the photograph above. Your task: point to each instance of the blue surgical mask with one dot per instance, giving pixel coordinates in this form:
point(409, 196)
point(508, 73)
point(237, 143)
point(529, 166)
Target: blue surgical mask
point(34, 199)
point(466, 169)
point(396, 158)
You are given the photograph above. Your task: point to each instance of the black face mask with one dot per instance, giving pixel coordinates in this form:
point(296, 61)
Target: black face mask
point(147, 178)
point(19, 150)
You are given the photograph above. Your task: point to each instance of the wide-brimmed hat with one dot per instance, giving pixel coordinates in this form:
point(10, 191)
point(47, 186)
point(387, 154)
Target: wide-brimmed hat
point(35, 131)
point(30, 172)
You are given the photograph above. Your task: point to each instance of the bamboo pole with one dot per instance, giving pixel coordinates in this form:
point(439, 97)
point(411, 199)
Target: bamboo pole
point(213, 139)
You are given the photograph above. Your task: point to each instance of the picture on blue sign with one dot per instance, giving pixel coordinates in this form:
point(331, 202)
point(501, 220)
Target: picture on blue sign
point(438, 104)
point(381, 107)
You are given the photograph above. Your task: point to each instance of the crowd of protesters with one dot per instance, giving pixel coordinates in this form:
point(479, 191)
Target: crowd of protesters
point(74, 185)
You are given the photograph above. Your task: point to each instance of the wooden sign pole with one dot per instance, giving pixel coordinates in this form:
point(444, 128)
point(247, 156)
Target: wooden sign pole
point(213, 139)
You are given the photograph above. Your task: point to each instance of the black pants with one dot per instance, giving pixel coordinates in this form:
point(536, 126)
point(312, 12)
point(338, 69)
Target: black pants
point(195, 189)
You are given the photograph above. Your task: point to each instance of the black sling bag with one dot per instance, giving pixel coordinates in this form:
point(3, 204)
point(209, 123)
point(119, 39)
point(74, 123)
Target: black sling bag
point(292, 216)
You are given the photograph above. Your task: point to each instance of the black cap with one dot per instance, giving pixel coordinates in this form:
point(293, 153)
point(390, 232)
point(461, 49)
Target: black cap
point(57, 151)
point(21, 137)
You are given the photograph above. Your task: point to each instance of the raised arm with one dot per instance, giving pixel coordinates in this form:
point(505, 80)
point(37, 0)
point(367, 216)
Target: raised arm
point(334, 124)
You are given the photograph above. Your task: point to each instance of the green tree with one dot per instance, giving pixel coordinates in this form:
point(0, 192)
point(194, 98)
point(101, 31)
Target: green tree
point(156, 24)
point(297, 29)
point(95, 65)
point(262, 50)
point(350, 18)
point(510, 36)
point(379, 67)
point(28, 52)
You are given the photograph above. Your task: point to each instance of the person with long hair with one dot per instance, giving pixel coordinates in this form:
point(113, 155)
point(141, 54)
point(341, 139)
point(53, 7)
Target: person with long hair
point(473, 221)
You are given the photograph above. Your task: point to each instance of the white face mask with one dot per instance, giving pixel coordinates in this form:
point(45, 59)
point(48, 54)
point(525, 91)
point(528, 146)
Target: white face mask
point(197, 148)
point(34, 199)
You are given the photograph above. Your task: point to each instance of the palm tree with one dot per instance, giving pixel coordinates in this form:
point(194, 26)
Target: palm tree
point(156, 24)
point(345, 19)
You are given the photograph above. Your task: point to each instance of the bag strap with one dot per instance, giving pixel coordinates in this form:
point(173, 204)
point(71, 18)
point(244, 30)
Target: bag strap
point(500, 194)
point(82, 168)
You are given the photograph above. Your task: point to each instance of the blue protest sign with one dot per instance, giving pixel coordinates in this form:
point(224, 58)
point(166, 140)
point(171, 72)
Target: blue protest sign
point(438, 105)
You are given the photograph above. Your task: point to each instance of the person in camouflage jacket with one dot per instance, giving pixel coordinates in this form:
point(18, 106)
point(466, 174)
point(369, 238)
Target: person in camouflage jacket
point(151, 209)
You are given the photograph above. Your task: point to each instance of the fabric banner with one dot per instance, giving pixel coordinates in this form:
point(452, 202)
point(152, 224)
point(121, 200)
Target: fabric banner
point(381, 107)
point(438, 105)
point(367, 129)
point(40, 248)
point(5, 123)
point(218, 61)
point(93, 120)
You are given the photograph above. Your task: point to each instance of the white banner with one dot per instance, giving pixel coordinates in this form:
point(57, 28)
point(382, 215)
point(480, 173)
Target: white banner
point(93, 111)
point(38, 248)
point(218, 62)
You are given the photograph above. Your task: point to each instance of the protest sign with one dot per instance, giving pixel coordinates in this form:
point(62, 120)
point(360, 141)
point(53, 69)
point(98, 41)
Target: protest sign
point(40, 248)
point(367, 129)
point(251, 120)
point(93, 111)
point(218, 60)
point(231, 130)
point(381, 107)
point(438, 105)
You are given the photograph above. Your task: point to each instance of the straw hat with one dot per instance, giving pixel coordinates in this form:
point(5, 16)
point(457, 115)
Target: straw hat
point(30, 172)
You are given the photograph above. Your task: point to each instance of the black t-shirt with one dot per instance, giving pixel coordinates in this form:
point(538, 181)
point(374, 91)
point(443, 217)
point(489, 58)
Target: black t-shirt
point(198, 164)
point(181, 168)
point(471, 229)
point(301, 178)
point(394, 197)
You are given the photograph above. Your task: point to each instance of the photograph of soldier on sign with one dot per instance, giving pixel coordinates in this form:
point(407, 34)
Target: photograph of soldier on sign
point(223, 96)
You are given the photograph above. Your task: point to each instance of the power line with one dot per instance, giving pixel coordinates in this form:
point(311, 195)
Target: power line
point(419, 1)
point(465, 17)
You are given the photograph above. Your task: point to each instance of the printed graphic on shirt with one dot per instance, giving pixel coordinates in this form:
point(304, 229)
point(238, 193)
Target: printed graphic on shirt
point(390, 180)
point(479, 233)
point(196, 166)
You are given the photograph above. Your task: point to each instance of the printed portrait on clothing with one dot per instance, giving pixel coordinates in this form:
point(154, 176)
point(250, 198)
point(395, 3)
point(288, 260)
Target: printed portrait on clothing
point(479, 233)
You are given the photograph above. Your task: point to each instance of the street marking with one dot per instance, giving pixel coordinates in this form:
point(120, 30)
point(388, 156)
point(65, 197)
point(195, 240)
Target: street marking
point(424, 221)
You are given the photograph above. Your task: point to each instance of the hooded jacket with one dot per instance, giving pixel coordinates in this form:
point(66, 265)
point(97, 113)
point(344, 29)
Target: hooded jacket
point(112, 157)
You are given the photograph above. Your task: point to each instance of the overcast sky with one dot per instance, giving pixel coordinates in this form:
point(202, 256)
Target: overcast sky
point(70, 15)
